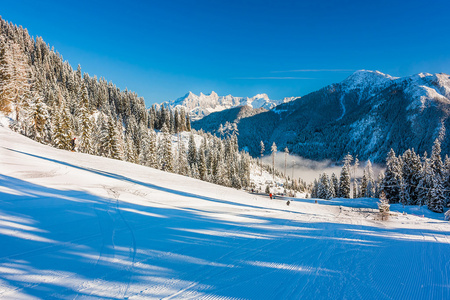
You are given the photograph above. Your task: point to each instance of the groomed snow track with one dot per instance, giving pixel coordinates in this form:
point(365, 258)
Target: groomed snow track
point(74, 226)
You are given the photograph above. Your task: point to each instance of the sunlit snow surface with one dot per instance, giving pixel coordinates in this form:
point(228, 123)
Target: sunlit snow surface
point(84, 227)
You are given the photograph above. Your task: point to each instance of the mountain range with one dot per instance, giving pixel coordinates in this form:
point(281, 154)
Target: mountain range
point(199, 106)
point(366, 114)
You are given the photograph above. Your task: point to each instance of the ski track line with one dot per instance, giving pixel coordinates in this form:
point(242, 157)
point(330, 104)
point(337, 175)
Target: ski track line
point(133, 243)
point(213, 272)
point(262, 274)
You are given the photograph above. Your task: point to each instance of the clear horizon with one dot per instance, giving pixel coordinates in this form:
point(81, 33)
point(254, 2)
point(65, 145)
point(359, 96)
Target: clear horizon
point(163, 50)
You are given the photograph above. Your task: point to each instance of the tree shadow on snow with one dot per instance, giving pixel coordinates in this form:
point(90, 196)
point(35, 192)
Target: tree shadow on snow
point(69, 243)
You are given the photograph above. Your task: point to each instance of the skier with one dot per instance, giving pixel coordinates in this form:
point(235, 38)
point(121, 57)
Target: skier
point(72, 143)
point(270, 195)
point(288, 202)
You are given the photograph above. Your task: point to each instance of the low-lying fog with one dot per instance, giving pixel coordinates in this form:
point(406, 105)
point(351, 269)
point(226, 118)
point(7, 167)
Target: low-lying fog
point(308, 169)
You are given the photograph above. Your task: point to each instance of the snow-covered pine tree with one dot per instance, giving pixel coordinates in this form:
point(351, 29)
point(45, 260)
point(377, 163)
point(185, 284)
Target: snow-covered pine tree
point(274, 153)
point(323, 187)
point(314, 189)
point(144, 152)
point(192, 151)
point(344, 180)
point(15, 75)
point(436, 160)
point(38, 119)
point(370, 181)
point(182, 163)
point(355, 183)
point(152, 160)
point(166, 148)
point(244, 169)
point(364, 183)
point(85, 144)
point(411, 170)
point(447, 180)
point(335, 185)
point(131, 154)
point(378, 184)
point(392, 178)
point(6, 77)
point(202, 169)
point(61, 131)
point(436, 195)
point(424, 186)
point(176, 121)
point(109, 143)
point(188, 123)
point(383, 206)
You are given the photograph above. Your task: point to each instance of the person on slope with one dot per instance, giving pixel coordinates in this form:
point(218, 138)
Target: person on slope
point(73, 144)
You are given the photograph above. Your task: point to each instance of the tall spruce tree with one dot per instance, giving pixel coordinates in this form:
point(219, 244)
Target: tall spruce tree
point(344, 180)
point(392, 178)
point(411, 170)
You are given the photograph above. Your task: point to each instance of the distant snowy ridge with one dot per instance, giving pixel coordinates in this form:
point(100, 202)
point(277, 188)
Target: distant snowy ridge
point(202, 105)
point(366, 114)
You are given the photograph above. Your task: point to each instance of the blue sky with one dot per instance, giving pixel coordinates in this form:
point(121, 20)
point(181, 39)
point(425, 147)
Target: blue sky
point(163, 49)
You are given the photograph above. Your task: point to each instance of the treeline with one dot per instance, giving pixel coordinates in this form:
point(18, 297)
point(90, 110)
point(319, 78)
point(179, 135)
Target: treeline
point(409, 179)
point(51, 103)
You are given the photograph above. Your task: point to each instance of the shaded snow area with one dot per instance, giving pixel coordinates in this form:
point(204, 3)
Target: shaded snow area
point(84, 227)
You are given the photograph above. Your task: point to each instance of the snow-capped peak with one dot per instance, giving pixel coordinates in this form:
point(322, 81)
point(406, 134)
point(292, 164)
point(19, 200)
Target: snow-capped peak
point(204, 104)
point(363, 79)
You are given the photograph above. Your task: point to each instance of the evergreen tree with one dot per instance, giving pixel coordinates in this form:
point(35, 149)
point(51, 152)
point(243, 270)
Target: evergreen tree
point(425, 182)
point(344, 180)
point(436, 160)
point(109, 143)
point(392, 178)
point(192, 151)
point(324, 187)
point(411, 170)
point(446, 184)
point(274, 153)
point(85, 144)
point(364, 183)
point(38, 119)
point(152, 159)
point(182, 164)
point(335, 185)
point(166, 156)
point(436, 196)
point(370, 181)
point(6, 77)
point(62, 136)
point(202, 169)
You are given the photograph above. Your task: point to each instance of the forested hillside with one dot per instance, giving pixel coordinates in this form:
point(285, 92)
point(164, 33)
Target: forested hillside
point(367, 114)
point(46, 100)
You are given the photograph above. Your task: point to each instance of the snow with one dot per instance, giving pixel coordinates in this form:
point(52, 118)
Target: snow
point(366, 79)
point(341, 101)
point(78, 226)
point(202, 105)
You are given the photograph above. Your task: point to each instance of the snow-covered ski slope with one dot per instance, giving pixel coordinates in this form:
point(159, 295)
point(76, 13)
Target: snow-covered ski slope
point(74, 226)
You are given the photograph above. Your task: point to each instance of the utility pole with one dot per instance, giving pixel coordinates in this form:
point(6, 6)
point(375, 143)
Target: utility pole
point(262, 154)
point(274, 152)
point(286, 152)
point(293, 164)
